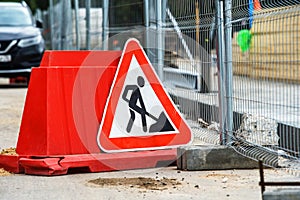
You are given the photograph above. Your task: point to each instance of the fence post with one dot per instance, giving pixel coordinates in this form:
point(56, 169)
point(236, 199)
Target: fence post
point(229, 76)
point(76, 24)
point(87, 18)
point(147, 23)
point(221, 66)
point(160, 40)
point(105, 4)
point(51, 21)
point(65, 26)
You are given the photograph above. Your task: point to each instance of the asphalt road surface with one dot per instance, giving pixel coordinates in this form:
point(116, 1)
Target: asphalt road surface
point(159, 183)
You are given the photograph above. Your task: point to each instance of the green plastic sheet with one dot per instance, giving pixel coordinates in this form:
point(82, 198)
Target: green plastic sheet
point(244, 39)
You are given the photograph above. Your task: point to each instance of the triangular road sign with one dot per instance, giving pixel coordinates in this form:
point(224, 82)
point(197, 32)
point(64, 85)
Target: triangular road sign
point(139, 114)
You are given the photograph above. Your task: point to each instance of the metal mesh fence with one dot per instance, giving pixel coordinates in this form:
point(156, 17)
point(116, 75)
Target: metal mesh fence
point(262, 92)
point(266, 80)
point(191, 66)
point(73, 24)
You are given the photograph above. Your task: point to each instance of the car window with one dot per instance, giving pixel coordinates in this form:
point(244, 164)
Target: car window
point(15, 16)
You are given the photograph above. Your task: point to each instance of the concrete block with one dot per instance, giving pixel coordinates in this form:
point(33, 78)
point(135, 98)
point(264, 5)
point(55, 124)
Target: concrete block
point(212, 157)
point(282, 194)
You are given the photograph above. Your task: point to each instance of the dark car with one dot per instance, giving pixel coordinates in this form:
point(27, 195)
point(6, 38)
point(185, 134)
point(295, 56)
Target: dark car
point(21, 42)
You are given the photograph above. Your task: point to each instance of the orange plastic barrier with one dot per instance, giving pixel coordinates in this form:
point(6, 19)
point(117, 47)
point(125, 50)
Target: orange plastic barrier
point(57, 115)
point(64, 106)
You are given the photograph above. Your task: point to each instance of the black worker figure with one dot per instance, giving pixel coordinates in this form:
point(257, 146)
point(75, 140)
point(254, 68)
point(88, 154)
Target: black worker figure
point(161, 124)
point(132, 102)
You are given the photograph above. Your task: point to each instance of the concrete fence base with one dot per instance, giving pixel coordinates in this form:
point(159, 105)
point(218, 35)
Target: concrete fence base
point(212, 157)
point(282, 194)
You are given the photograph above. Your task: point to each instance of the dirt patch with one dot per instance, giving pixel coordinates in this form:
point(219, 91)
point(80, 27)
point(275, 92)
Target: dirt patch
point(140, 182)
point(9, 151)
point(215, 175)
point(3, 172)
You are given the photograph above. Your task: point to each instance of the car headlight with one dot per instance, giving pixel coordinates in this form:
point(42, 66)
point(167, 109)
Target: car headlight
point(30, 41)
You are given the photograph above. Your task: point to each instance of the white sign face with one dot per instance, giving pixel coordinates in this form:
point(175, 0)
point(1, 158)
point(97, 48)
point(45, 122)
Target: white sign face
point(139, 114)
point(139, 111)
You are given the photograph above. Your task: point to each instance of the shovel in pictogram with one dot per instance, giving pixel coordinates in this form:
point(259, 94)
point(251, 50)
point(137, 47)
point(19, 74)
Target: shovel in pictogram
point(162, 123)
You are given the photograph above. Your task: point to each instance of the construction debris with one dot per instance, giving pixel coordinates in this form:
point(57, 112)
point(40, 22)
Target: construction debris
point(8, 151)
point(258, 130)
point(3, 172)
